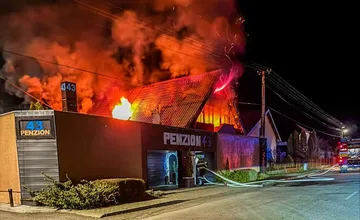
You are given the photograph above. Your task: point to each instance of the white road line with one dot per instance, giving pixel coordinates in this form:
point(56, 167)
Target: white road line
point(352, 194)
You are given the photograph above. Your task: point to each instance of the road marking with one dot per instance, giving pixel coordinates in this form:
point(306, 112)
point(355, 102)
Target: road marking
point(352, 194)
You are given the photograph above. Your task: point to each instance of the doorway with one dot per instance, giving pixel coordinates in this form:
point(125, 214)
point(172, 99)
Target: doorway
point(209, 158)
point(162, 168)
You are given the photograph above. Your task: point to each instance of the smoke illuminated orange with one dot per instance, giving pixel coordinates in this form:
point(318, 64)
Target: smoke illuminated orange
point(122, 110)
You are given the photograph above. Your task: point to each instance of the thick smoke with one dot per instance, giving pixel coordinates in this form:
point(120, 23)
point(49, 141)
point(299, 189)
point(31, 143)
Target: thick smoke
point(141, 44)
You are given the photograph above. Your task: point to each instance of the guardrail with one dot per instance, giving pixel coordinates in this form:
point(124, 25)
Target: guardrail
point(11, 197)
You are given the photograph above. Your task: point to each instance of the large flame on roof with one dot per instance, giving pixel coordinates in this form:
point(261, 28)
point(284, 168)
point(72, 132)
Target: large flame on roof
point(122, 110)
point(226, 80)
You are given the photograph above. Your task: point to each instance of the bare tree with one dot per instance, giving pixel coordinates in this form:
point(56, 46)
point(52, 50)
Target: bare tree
point(302, 150)
point(290, 145)
point(324, 146)
point(314, 150)
point(296, 143)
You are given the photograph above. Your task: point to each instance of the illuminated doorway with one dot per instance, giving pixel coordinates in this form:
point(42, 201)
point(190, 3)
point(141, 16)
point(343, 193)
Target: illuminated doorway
point(162, 168)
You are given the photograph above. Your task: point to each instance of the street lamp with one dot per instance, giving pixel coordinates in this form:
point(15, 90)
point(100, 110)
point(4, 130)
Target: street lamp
point(344, 131)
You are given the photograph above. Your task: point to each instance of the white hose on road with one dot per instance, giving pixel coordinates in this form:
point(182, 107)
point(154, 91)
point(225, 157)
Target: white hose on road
point(323, 173)
point(231, 181)
point(311, 178)
point(222, 184)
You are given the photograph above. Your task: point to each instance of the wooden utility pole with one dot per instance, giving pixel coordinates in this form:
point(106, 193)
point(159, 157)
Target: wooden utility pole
point(263, 86)
point(263, 140)
point(262, 129)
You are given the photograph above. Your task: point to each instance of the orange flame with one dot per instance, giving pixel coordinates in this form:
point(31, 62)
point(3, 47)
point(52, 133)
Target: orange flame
point(122, 110)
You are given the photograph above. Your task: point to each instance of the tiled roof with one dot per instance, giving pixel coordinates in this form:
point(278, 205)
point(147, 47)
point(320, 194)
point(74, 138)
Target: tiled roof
point(179, 100)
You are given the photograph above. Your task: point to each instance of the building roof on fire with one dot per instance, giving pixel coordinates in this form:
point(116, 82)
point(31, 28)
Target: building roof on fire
point(178, 101)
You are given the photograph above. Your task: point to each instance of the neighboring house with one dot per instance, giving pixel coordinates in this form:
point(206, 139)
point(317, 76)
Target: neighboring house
point(251, 120)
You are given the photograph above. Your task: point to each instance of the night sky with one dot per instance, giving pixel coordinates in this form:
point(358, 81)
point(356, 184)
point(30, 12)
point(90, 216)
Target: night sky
point(310, 46)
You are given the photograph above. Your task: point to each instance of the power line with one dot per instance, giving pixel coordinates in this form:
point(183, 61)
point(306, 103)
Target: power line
point(303, 124)
point(63, 65)
point(304, 113)
point(274, 110)
point(302, 97)
point(295, 94)
point(316, 112)
point(169, 30)
point(42, 102)
point(247, 103)
point(103, 13)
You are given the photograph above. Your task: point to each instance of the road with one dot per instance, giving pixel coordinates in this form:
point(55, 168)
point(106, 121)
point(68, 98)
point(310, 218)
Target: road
point(336, 200)
point(339, 199)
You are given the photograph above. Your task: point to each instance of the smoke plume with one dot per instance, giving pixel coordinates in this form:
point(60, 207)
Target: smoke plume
point(133, 44)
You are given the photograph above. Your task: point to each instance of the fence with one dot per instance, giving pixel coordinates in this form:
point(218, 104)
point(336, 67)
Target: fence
point(298, 164)
point(317, 163)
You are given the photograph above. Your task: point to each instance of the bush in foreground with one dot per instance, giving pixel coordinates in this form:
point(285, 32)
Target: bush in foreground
point(89, 194)
point(241, 176)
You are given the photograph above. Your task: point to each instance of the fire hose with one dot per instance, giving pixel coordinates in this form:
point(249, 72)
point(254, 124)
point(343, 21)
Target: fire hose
point(258, 184)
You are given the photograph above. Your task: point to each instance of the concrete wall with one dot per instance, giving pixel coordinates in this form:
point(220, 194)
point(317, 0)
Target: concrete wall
point(36, 154)
point(9, 166)
point(91, 147)
point(239, 151)
point(269, 134)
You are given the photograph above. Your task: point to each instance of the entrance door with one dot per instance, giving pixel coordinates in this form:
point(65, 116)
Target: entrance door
point(173, 168)
point(162, 168)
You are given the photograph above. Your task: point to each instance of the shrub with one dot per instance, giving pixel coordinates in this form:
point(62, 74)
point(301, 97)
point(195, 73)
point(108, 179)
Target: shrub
point(89, 194)
point(241, 176)
point(262, 176)
point(129, 189)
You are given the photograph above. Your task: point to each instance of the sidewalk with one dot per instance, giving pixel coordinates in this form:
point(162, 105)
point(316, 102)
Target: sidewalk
point(26, 209)
point(172, 199)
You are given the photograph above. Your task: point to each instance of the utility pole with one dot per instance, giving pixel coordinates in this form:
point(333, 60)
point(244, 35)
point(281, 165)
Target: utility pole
point(262, 139)
point(262, 129)
point(263, 86)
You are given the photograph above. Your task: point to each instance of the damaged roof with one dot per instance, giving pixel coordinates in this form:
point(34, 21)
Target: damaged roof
point(178, 101)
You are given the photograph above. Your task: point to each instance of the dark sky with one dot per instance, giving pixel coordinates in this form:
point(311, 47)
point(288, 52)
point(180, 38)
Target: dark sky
point(309, 45)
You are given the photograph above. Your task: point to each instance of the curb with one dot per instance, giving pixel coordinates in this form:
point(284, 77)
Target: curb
point(27, 209)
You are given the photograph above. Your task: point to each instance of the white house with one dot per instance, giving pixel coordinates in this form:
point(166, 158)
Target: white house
point(252, 121)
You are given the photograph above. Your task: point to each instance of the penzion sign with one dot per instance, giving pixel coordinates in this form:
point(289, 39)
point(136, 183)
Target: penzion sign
point(177, 139)
point(35, 129)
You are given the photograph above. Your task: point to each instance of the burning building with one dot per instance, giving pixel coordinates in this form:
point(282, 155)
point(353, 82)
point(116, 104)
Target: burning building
point(187, 102)
point(141, 126)
point(157, 124)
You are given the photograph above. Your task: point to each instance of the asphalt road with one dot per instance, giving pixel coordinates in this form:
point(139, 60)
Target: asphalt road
point(339, 199)
point(335, 200)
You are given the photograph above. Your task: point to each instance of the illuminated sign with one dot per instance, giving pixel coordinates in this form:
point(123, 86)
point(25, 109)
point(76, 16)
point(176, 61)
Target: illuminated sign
point(177, 139)
point(35, 128)
point(68, 86)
